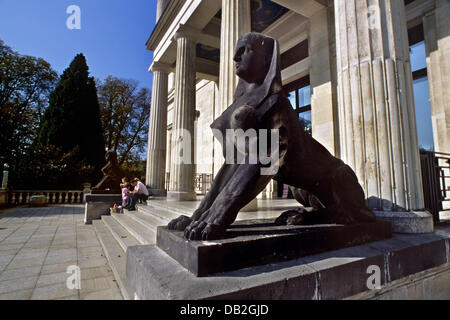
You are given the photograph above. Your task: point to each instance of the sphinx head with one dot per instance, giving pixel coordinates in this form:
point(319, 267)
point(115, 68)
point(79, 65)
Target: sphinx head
point(253, 56)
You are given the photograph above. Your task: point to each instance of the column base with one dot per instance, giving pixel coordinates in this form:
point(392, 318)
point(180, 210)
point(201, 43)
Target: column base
point(181, 196)
point(157, 192)
point(408, 222)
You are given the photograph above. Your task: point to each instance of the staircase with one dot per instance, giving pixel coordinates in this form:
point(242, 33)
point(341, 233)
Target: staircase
point(118, 232)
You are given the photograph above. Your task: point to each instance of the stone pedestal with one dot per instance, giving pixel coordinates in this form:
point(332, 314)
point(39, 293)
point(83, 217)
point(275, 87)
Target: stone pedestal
point(157, 131)
point(86, 190)
point(408, 222)
point(377, 120)
point(38, 201)
point(98, 205)
point(182, 170)
point(257, 242)
point(408, 264)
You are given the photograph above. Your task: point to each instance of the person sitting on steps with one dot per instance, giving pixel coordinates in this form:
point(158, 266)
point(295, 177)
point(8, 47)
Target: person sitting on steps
point(139, 193)
point(125, 194)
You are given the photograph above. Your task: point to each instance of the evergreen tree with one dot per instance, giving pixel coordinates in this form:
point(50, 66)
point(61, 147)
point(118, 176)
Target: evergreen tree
point(72, 119)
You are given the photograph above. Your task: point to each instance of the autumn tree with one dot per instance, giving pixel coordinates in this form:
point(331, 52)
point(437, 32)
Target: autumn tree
point(25, 83)
point(125, 113)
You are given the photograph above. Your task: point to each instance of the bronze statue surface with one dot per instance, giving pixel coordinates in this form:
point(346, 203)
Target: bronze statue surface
point(322, 180)
point(112, 175)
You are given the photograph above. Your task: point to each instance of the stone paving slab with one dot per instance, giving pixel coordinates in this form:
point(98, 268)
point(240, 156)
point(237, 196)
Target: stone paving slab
point(37, 245)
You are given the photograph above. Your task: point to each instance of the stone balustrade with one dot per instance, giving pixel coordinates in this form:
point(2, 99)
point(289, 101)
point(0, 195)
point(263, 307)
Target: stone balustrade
point(22, 197)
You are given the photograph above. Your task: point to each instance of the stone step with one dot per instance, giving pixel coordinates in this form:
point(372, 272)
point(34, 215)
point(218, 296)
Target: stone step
point(148, 220)
point(164, 216)
point(172, 209)
point(123, 237)
point(141, 232)
point(116, 257)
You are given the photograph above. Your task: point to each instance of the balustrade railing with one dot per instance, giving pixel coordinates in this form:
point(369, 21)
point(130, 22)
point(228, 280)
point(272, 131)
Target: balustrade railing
point(22, 197)
point(436, 181)
point(202, 182)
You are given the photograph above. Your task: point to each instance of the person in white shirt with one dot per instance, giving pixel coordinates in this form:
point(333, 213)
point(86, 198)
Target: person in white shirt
point(140, 193)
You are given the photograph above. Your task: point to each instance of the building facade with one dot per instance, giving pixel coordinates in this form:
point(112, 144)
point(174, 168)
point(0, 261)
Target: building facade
point(369, 80)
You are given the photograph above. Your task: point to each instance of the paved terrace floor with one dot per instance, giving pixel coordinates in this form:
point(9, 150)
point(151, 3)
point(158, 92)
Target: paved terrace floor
point(37, 245)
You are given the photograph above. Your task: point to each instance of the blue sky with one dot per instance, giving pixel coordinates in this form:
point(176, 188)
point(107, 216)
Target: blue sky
point(112, 36)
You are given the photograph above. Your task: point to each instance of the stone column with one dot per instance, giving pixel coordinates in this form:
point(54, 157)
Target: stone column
point(157, 131)
point(378, 132)
point(324, 109)
point(236, 21)
point(437, 41)
point(182, 168)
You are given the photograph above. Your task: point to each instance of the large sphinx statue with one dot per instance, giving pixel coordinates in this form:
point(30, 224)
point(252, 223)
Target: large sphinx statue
point(320, 179)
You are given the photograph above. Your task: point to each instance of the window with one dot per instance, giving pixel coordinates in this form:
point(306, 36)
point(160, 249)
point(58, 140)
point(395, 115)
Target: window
point(418, 57)
point(300, 97)
point(420, 87)
point(299, 93)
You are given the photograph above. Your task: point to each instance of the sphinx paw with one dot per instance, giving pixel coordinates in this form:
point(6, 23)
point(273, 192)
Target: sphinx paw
point(194, 230)
point(213, 232)
point(179, 224)
point(291, 217)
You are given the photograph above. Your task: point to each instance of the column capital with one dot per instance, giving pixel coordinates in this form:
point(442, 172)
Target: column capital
point(160, 66)
point(185, 31)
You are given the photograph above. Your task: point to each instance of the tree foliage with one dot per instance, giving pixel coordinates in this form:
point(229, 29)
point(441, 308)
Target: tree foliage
point(135, 169)
point(53, 133)
point(48, 167)
point(25, 83)
point(72, 120)
point(125, 113)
